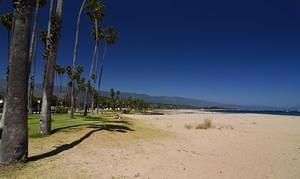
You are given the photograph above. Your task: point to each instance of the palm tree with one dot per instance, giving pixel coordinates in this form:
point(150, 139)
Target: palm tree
point(81, 90)
point(118, 97)
point(38, 5)
point(50, 56)
point(32, 51)
point(95, 12)
point(74, 76)
point(118, 94)
point(112, 95)
point(110, 38)
point(6, 20)
point(32, 76)
point(74, 64)
point(14, 138)
point(57, 75)
point(60, 71)
point(100, 36)
point(46, 38)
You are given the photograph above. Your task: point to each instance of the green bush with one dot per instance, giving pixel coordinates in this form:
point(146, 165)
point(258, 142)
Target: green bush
point(61, 110)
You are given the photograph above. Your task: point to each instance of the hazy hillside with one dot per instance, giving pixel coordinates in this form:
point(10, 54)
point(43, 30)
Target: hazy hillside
point(167, 100)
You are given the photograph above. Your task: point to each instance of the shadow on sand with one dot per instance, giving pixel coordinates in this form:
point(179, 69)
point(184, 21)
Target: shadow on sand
point(89, 125)
point(65, 147)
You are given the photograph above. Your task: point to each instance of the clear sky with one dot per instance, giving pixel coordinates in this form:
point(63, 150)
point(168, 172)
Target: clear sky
point(234, 51)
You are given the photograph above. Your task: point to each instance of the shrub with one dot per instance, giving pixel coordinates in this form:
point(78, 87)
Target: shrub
point(61, 110)
point(205, 125)
point(188, 126)
point(126, 111)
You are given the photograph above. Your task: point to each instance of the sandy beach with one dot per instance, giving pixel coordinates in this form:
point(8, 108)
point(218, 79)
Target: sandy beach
point(238, 146)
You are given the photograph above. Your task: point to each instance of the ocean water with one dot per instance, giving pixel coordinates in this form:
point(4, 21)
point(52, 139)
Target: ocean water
point(284, 113)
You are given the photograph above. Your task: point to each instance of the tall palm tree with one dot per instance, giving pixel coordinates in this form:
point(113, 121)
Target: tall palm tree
point(95, 12)
point(110, 38)
point(50, 55)
point(81, 90)
point(60, 71)
point(38, 5)
point(74, 64)
point(14, 138)
point(74, 76)
point(32, 51)
point(6, 20)
point(32, 76)
point(113, 96)
point(43, 36)
point(57, 75)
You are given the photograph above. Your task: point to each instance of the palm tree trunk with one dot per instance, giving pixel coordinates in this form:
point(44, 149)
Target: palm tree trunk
point(31, 53)
point(95, 81)
point(14, 139)
point(101, 71)
point(102, 67)
point(86, 96)
point(32, 77)
point(47, 41)
point(45, 122)
point(92, 69)
point(72, 110)
point(35, 23)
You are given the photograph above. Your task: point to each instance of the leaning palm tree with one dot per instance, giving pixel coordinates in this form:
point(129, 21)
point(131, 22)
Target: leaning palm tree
point(14, 138)
point(74, 64)
point(95, 12)
point(101, 36)
point(50, 57)
point(6, 20)
point(110, 38)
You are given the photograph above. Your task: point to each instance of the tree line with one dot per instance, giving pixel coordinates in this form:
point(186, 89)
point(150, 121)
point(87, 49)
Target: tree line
point(23, 34)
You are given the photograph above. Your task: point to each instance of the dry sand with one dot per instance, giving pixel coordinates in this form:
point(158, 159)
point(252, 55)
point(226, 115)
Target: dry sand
point(239, 146)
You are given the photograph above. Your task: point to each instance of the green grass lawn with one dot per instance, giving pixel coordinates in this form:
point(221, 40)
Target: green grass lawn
point(60, 121)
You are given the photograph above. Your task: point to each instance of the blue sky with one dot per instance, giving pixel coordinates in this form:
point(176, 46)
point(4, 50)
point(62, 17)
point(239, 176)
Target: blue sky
point(235, 51)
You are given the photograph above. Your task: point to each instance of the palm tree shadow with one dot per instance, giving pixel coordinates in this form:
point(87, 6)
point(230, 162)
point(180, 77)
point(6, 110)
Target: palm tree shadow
point(68, 127)
point(65, 147)
point(82, 125)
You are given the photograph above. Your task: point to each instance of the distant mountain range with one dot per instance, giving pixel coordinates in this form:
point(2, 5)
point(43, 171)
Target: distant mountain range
point(173, 100)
